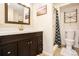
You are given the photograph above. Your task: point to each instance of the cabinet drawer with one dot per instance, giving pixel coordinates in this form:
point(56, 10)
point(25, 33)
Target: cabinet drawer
point(9, 49)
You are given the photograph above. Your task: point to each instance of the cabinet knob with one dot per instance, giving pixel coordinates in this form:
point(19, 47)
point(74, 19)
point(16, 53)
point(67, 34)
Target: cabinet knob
point(30, 42)
point(9, 52)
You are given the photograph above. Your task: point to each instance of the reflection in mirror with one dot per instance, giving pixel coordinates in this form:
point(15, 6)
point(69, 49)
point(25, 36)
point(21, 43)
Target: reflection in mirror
point(17, 13)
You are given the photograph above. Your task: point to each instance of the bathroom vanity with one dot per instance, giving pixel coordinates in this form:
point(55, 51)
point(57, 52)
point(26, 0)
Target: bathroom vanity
point(24, 44)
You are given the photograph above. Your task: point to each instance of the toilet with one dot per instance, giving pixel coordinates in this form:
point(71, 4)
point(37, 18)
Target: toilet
point(69, 43)
point(69, 40)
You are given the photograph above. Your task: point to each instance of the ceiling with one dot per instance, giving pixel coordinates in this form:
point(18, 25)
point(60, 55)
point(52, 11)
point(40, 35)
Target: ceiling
point(57, 5)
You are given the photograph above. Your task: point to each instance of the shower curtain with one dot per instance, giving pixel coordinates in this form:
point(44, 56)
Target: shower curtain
point(57, 31)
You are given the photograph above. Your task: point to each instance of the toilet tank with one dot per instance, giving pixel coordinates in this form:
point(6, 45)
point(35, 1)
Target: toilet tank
point(70, 34)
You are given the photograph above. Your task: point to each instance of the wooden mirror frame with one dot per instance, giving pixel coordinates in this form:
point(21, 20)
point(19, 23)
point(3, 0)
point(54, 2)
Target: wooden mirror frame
point(12, 22)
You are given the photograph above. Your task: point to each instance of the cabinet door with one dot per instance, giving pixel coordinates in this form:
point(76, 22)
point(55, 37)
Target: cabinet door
point(33, 46)
point(23, 48)
point(0, 51)
point(39, 44)
point(9, 49)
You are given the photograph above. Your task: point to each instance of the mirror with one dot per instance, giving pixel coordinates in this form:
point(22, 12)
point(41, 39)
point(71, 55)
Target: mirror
point(17, 13)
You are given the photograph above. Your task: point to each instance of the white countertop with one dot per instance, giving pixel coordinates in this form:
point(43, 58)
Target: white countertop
point(18, 32)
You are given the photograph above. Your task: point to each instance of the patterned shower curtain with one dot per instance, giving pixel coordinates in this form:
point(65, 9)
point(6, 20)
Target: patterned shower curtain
point(57, 31)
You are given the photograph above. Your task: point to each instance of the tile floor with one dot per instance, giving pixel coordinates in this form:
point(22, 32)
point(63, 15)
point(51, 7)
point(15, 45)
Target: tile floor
point(57, 52)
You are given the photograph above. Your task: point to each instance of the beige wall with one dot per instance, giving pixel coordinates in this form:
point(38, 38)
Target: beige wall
point(47, 24)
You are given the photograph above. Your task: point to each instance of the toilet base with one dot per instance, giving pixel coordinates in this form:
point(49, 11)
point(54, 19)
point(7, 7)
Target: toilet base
point(68, 52)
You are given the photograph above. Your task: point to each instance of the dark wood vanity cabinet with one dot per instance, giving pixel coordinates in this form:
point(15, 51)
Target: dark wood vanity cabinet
point(27, 44)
